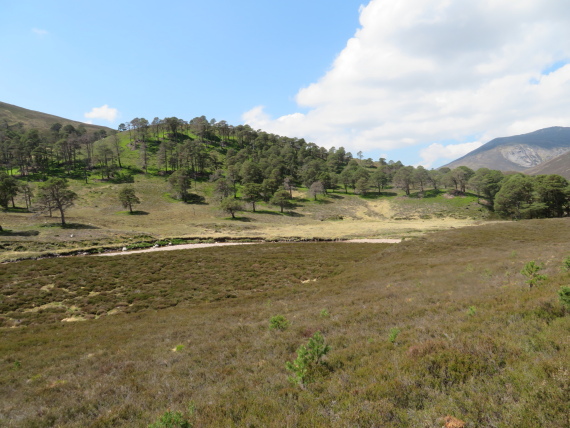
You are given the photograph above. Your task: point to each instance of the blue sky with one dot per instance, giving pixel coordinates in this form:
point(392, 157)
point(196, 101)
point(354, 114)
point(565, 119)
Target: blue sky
point(424, 81)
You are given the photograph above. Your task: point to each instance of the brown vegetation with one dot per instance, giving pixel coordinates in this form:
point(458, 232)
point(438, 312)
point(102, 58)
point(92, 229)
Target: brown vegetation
point(474, 342)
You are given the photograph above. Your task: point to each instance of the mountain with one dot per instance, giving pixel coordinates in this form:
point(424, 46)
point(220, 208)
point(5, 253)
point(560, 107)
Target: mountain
point(12, 114)
point(559, 165)
point(518, 152)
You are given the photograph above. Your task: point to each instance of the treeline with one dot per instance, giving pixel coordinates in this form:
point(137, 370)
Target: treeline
point(251, 165)
point(517, 196)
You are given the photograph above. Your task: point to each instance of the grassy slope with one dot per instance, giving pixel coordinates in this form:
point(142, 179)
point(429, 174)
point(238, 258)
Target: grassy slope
point(99, 219)
point(35, 119)
point(503, 363)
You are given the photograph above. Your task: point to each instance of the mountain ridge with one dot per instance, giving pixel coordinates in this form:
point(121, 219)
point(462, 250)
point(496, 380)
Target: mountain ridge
point(11, 114)
point(518, 152)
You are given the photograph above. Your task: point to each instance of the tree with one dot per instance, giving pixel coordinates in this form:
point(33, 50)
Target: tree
point(550, 190)
point(530, 270)
point(251, 192)
point(486, 183)
point(55, 194)
point(361, 186)
point(421, 176)
point(379, 179)
point(515, 196)
point(8, 190)
point(289, 185)
point(316, 188)
point(435, 176)
point(180, 182)
point(26, 190)
point(231, 206)
point(128, 198)
point(282, 199)
point(404, 178)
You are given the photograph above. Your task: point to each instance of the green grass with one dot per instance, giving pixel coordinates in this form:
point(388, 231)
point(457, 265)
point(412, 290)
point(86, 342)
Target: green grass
point(506, 365)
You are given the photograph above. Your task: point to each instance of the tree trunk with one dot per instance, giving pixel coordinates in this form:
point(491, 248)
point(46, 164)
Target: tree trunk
point(62, 216)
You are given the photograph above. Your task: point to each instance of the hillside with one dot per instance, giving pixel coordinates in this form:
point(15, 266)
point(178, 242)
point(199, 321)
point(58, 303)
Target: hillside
point(559, 165)
point(11, 115)
point(519, 152)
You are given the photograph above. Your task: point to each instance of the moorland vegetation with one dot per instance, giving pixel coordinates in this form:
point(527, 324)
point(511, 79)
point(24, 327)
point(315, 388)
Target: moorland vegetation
point(316, 334)
point(466, 324)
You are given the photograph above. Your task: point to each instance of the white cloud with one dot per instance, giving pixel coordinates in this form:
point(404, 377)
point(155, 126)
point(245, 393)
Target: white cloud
point(449, 152)
point(420, 72)
point(104, 113)
point(40, 32)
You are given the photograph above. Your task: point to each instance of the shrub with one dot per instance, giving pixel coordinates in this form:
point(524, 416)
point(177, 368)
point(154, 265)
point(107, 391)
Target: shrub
point(394, 332)
point(171, 420)
point(325, 314)
point(530, 270)
point(306, 366)
point(564, 296)
point(278, 322)
point(566, 264)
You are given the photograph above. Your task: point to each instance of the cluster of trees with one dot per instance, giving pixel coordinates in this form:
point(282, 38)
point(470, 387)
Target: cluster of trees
point(51, 195)
point(34, 151)
point(239, 160)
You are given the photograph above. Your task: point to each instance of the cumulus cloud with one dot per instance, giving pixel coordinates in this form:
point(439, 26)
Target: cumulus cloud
point(449, 152)
point(103, 113)
point(422, 72)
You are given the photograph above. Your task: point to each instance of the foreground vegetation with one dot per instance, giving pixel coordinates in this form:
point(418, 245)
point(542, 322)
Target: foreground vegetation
point(440, 325)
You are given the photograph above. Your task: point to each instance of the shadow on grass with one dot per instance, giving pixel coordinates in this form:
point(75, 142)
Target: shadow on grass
point(334, 196)
point(322, 201)
point(376, 195)
point(286, 213)
point(432, 193)
point(79, 226)
point(70, 226)
point(242, 219)
point(22, 233)
point(135, 212)
point(16, 210)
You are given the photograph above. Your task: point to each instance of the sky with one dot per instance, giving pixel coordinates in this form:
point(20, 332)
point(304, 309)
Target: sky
point(421, 81)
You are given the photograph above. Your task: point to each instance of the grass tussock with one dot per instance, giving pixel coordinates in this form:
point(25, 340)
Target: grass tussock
point(473, 340)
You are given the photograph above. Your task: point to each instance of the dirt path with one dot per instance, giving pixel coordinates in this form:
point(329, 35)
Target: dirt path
point(222, 244)
point(177, 247)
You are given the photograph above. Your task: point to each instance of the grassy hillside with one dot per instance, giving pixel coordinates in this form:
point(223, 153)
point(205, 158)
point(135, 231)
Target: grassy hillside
point(12, 114)
point(440, 325)
point(98, 219)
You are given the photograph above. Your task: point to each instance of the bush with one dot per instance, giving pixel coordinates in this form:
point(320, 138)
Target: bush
point(564, 296)
point(278, 322)
point(566, 264)
point(530, 270)
point(394, 332)
point(306, 366)
point(171, 420)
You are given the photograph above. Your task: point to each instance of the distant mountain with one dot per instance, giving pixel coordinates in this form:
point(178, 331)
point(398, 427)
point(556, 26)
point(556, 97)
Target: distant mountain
point(11, 115)
point(519, 152)
point(559, 165)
